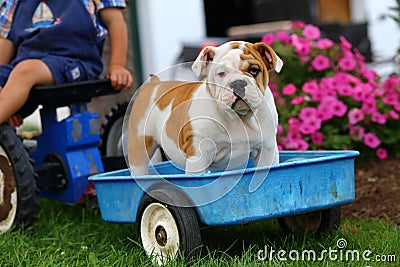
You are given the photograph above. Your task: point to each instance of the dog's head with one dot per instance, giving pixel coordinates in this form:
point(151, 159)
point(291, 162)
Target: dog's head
point(237, 73)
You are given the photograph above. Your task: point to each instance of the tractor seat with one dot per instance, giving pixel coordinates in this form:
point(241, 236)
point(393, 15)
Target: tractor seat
point(70, 93)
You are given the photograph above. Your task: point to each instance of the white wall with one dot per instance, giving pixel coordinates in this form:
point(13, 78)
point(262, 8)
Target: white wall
point(164, 25)
point(384, 34)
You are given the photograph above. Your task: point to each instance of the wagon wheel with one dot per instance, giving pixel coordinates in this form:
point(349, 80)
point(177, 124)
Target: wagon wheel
point(111, 139)
point(317, 222)
point(18, 205)
point(165, 229)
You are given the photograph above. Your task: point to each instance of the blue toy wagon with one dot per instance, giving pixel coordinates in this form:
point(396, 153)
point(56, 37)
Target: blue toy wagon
point(305, 191)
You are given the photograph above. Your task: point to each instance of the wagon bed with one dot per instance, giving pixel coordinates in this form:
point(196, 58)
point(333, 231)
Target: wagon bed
point(303, 181)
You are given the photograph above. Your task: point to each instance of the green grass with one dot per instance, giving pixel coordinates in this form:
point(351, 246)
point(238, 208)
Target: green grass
point(68, 235)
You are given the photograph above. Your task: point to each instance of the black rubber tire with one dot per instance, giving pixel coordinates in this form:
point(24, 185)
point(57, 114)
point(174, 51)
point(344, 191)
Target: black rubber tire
point(24, 176)
point(185, 218)
point(330, 221)
point(114, 116)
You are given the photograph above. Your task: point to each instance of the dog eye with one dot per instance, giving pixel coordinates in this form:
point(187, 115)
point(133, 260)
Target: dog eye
point(221, 74)
point(254, 71)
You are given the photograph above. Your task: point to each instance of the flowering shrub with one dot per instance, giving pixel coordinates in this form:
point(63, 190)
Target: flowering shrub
point(327, 97)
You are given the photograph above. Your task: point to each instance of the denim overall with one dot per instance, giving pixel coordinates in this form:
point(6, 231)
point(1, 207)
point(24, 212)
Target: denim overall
point(60, 33)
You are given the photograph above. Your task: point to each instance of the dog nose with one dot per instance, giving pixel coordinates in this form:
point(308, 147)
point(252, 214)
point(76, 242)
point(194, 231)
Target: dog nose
point(238, 88)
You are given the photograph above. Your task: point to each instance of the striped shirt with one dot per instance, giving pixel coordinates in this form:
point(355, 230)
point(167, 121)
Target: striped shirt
point(7, 10)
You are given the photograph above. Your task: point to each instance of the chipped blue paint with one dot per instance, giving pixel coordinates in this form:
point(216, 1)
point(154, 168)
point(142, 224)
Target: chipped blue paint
point(75, 141)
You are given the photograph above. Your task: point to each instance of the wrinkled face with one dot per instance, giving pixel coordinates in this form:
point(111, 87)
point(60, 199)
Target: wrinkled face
point(237, 73)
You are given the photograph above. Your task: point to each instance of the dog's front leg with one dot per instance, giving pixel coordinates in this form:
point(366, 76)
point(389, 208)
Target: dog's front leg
point(267, 156)
point(140, 150)
point(202, 157)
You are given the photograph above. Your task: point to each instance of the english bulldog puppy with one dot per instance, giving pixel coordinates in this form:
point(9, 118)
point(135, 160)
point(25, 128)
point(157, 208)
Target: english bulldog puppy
point(216, 123)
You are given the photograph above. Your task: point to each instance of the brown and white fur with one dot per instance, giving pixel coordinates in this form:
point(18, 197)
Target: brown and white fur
point(216, 123)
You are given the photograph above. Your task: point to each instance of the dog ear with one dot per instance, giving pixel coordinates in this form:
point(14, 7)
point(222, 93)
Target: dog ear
point(270, 57)
point(200, 65)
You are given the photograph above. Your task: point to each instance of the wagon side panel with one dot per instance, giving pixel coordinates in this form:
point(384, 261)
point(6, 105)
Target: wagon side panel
point(285, 190)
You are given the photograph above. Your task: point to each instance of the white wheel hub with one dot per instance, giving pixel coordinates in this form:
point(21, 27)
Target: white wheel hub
point(159, 233)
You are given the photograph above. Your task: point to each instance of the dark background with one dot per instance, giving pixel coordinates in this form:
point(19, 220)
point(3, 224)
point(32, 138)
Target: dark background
point(223, 14)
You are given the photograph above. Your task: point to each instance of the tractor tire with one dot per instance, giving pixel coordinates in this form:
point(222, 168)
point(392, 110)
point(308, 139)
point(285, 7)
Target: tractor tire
point(111, 138)
point(18, 206)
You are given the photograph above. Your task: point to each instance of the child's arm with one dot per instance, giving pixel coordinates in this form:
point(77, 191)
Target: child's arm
point(118, 74)
point(7, 51)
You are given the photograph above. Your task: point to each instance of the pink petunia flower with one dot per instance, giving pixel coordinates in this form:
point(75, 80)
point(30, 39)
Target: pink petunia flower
point(289, 89)
point(324, 43)
point(269, 38)
point(344, 77)
point(378, 118)
point(293, 135)
point(310, 86)
point(392, 83)
point(304, 51)
point(283, 36)
point(302, 46)
point(397, 106)
point(297, 100)
point(363, 92)
point(307, 113)
point(360, 58)
point(381, 153)
point(371, 140)
point(391, 97)
point(347, 63)
point(339, 108)
point(328, 84)
point(289, 144)
point(294, 125)
point(310, 125)
point(320, 63)
point(317, 138)
point(302, 145)
point(295, 143)
point(319, 95)
point(345, 89)
point(369, 106)
point(393, 115)
point(345, 44)
point(293, 139)
point(324, 111)
point(311, 32)
point(355, 115)
point(297, 25)
point(369, 74)
point(358, 92)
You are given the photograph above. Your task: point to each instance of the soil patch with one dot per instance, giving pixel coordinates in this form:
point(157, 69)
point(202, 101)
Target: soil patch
point(377, 186)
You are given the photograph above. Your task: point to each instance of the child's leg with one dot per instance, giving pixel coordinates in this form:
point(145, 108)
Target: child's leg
point(23, 77)
point(7, 50)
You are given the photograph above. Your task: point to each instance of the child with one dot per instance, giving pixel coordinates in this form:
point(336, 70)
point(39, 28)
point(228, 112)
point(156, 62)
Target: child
point(47, 42)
